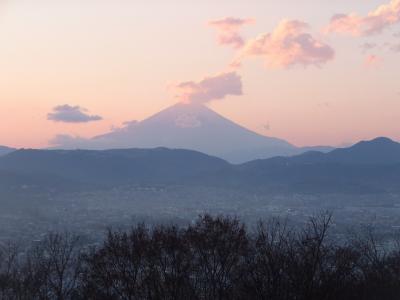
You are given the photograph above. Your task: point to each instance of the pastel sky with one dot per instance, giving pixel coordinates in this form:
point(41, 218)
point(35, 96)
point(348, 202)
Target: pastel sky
point(312, 72)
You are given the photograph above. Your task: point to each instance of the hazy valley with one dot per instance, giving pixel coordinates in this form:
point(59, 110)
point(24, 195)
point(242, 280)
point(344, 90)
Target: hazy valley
point(87, 191)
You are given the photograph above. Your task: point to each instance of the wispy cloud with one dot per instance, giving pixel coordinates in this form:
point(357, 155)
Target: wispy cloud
point(228, 30)
point(375, 22)
point(71, 114)
point(368, 46)
point(210, 88)
point(288, 45)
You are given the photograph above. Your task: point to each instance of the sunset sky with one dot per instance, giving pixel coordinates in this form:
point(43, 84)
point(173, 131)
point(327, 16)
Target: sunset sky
point(313, 72)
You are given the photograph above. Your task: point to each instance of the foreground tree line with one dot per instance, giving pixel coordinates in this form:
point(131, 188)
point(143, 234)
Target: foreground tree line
point(215, 258)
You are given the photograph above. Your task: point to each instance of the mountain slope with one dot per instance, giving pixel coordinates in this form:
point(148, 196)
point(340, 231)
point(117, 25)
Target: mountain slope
point(5, 150)
point(377, 151)
point(112, 167)
point(195, 127)
point(369, 166)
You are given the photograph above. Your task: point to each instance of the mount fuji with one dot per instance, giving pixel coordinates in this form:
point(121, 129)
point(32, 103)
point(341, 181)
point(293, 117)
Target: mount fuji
point(194, 127)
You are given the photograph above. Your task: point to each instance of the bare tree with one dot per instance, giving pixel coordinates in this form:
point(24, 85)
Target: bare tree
point(61, 259)
point(170, 260)
point(8, 268)
point(267, 265)
point(118, 270)
point(220, 246)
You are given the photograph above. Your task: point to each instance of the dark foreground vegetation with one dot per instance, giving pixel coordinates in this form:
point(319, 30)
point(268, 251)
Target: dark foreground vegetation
point(215, 258)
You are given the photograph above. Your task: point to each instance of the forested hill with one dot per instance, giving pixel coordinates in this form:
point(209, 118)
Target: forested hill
point(367, 167)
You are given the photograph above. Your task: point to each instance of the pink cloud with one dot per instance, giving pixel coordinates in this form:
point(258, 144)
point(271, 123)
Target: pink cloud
point(288, 45)
point(376, 20)
point(210, 88)
point(228, 30)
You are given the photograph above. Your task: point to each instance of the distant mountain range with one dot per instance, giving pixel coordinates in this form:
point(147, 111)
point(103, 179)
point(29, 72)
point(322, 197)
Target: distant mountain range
point(194, 127)
point(367, 167)
point(375, 152)
point(5, 150)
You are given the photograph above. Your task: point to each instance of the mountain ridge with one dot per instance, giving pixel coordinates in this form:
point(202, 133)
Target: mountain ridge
point(312, 172)
point(109, 167)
